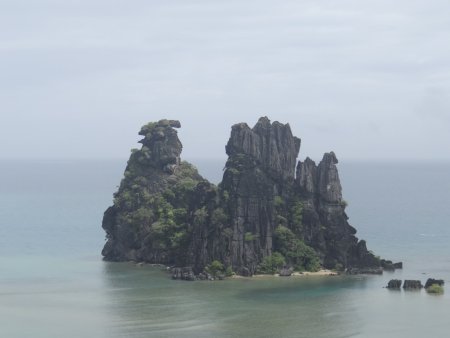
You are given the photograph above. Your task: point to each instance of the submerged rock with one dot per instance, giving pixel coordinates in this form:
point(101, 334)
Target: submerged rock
point(267, 206)
point(365, 271)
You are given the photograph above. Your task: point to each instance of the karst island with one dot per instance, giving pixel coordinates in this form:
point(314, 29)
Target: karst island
point(270, 214)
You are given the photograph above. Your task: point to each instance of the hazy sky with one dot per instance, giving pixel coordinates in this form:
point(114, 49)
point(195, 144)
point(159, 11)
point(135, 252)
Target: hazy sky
point(368, 79)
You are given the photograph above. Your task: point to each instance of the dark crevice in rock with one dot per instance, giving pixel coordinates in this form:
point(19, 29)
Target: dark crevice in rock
point(267, 206)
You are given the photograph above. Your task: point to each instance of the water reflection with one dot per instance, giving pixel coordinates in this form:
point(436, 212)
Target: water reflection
point(144, 302)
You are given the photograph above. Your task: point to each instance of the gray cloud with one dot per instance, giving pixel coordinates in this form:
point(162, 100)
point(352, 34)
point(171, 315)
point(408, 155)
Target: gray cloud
point(361, 78)
point(435, 104)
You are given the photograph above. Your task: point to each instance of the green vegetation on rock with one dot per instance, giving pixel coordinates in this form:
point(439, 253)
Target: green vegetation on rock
point(164, 212)
point(248, 237)
point(229, 271)
point(296, 215)
point(435, 289)
point(271, 264)
point(215, 268)
point(297, 253)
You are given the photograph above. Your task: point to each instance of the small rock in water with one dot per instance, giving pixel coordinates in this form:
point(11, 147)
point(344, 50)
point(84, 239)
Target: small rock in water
point(398, 265)
point(432, 281)
point(394, 284)
point(387, 265)
point(185, 273)
point(412, 285)
point(390, 266)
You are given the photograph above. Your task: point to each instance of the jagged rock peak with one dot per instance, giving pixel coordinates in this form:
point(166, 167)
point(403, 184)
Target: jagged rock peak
point(322, 179)
point(306, 176)
point(271, 145)
point(329, 184)
point(160, 146)
point(164, 212)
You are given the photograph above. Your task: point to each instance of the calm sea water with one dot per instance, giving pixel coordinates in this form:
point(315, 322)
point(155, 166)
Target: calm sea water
point(54, 284)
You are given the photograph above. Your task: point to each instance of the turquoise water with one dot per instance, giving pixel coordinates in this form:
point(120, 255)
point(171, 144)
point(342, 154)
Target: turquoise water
point(54, 284)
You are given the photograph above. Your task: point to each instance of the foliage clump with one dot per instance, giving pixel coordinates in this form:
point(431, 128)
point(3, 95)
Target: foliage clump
point(435, 289)
point(296, 216)
point(248, 237)
point(301, 256)
point(215, 268)
point(169, 217)
point(229, 271)
point(271, 264)
point(163, 213)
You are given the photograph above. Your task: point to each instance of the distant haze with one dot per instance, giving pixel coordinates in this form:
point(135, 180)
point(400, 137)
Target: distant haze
point(367, 79)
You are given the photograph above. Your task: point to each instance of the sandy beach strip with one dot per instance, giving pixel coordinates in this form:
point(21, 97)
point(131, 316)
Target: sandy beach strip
point(323, 272)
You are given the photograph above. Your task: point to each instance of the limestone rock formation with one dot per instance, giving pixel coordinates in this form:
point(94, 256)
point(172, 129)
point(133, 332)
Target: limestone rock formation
point(138, 223)
point(412, 285)
point(260, 168)
point(285, 272)
point(432, 281)
point(184, 273)
point(389, 265)
point(394, 284)
point(165, 212)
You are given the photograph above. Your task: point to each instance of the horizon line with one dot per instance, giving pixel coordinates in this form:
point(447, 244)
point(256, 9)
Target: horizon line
point(216, 159)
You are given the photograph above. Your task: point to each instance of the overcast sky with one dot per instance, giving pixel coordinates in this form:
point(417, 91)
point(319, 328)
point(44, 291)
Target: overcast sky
point(368, 79)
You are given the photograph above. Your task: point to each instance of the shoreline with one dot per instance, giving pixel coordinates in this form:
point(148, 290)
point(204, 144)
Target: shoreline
point(323, 272)
point(320, 273)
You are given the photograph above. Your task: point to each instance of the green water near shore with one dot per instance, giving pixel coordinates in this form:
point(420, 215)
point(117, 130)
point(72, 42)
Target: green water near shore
point(53, 282)
point(89, 298)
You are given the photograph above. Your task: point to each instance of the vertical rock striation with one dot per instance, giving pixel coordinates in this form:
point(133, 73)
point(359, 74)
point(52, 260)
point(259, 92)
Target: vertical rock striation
point(260, 167)
point(137, 222)
point(327, 227)
point(165, 212)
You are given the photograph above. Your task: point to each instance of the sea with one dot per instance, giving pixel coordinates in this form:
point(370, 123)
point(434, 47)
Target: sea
point(53, 282)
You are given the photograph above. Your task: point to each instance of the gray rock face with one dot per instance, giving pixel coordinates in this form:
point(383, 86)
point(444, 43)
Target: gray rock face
point(390, 266)
point(329, 185)
point(398, 265)
point(260, 167)
point(307, 176)
point(131, 222)
point(161, 146)
point(412, 285)
point(322, 179)
point(394, 284)
point(184, 273)
point(285, 272)
point(325, 221)
point(432, 281)
point(165, 212)
point(271, 146)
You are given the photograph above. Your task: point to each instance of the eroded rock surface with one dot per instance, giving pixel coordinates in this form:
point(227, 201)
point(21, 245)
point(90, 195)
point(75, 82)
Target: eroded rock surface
point(394, 284)
point(432, 281)
point(165, 212)
point(412, 285)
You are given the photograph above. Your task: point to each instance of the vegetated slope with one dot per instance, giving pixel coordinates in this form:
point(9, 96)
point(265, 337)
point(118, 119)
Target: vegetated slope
point(267, 210)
